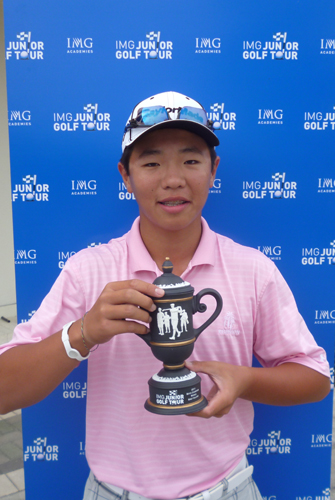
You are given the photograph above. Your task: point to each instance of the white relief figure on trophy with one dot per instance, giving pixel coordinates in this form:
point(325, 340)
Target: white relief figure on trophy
point(174, 320)
point(184, 320)
point(177, 316)
point(175, 312)
point(167, 322)
point(160, 321)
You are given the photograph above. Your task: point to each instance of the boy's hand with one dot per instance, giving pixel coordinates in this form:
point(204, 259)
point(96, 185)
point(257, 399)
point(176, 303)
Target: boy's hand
point(229, 383)
point(283, 385)
point(119, 309)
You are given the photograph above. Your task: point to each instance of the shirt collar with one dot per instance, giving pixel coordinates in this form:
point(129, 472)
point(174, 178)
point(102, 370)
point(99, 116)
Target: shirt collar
point(140, 259)
point(205, 252)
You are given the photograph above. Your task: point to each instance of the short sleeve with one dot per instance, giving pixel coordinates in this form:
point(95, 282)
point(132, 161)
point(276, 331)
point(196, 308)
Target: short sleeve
point(280, 333)
point(64, 303)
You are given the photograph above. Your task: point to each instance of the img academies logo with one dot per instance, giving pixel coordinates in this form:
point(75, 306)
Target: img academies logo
point(83, 187)
point(25, 256)
point(278, 48)
point(273, 444)
point(321, 440)
point(326, 185)
point(324, 317)
point(270, 117)
point(152, 47)
point(319, 120)
point(216, 189)
point(30, 190)
point(79, 45)
point(25, 47)
point(19, 118)
point(89, 121)
point(327, 46)
point(41, 451)
point(82, 448)
point(222, 120)
point(208, 45)
point(319, 256)
point(272, 252)
point(278, 188)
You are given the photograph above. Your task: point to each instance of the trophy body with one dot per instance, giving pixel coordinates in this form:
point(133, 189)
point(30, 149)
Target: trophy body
point(176, 390)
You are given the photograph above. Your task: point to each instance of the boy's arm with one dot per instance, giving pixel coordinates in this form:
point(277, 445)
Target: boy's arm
point(283, 385)
point(28, 373)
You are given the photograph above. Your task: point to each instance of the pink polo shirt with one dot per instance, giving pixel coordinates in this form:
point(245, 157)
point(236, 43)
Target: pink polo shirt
point(167, 457)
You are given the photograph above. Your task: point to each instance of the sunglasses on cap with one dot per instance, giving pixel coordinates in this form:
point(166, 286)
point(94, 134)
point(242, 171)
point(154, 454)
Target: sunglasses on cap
point(152, 115)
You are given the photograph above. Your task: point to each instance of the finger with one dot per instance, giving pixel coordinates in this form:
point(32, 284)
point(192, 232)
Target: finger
point(141, 286)
point(124, 326)
point(117, 327)
point(129, 296)
point(126, 311)
point(209, 397)
point(209, 367)
point(215, 408)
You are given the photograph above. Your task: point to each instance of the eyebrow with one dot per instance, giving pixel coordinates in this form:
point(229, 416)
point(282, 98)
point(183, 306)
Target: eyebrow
point(152, 152)
point(192, 149)
point(149, 152)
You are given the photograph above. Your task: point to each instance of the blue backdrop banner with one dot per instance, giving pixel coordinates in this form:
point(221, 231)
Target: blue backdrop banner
point(265, 73)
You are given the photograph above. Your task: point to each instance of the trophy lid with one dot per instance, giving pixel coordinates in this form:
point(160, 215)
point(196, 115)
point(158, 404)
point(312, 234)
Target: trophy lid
point(169, 281)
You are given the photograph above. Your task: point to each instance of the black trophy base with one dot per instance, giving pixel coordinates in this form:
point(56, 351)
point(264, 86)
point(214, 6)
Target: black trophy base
point(175, 392)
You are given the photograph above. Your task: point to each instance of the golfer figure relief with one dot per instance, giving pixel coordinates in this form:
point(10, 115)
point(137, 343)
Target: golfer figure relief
point(160, 321)
point(167, 319)
point(178, 317)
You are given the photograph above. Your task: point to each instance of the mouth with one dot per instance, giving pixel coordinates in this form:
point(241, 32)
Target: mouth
point(173, 203)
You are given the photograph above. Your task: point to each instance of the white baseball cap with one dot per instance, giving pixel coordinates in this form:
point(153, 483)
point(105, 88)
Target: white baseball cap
point(168, 110)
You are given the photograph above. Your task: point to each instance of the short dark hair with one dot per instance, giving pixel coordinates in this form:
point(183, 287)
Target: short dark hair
point(125, 158)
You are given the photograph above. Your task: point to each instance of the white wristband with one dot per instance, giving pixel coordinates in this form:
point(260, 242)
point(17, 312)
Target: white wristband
point(72, 353)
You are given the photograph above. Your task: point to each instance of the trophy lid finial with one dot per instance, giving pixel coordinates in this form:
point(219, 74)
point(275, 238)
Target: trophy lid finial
point(167, 266)
point(170, 282)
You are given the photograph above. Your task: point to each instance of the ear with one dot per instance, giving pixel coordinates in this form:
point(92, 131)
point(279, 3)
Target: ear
point(125, 177)
point(213, 173)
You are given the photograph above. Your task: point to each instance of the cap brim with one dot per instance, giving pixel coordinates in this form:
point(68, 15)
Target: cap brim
point(194, 127)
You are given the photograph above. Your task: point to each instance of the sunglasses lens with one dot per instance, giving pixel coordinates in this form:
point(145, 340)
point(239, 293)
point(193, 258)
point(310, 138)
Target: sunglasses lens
point(193, 114)
point(152, 115)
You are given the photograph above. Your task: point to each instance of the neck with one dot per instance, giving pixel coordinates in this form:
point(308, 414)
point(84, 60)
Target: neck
point(179, 246)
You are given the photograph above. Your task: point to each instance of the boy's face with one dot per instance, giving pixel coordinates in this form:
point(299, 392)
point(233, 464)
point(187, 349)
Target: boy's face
point(170, 174)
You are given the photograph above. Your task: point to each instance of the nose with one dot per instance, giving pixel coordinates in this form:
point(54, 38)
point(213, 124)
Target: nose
point(173, 176)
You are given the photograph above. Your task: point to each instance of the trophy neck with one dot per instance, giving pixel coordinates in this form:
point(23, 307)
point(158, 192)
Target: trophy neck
point(173, 367)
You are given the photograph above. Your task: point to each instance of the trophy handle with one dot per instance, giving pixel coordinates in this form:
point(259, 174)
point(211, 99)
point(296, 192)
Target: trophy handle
point(197, 306)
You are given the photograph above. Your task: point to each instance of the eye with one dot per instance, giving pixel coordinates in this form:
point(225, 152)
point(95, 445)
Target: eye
point(191, 162)
point(151, 164)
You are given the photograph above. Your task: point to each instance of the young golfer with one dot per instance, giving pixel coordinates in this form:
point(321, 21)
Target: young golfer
point(103, 296)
